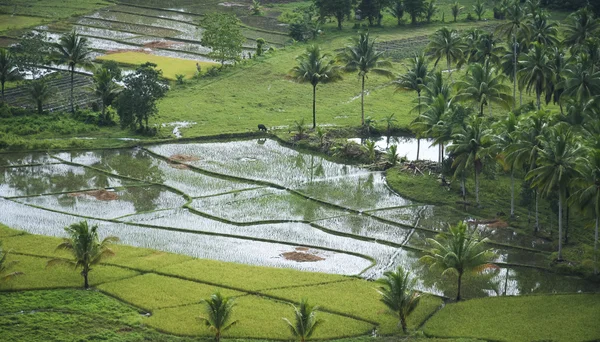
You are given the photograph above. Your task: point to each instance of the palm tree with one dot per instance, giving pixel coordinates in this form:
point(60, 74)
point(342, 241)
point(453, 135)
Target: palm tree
point(580, 26)
point(588, 195)
point(306, 321)
point(398, 294)
point(543, 32)
point(527, 142)
point(415, 79)
point(314, 68)
point(487, 48)
point(218, 310)
point(558, 160)
point(389, 124)
point(8, 68)
point(458, 251)
point(504, 138)
point(6, 265)
point(363, 57)
point(432, 115)
point(555, 86)
point(469, 146)
point(83, 242)
point(535, 71)
point(72, 50)
point(39, 92)
point(511, 29)
point(456, 9)
point(446, 44)
point(106, 89)
point(581, 83)
point(479, 9)
point(484, 86)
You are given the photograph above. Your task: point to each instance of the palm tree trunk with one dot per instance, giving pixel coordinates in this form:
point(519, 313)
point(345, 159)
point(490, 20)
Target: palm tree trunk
point(560, 202)
point(403, 323)
point(72, 85)
point(362, 101)
point(537, 216)
point(86, 284)
point(596, 247)
point(512, 193)
point(514, 71)
point(103, 113)
point(39, 107)
point(419, 139)
point(476, 185)
point(2, 92)
point(448, 65)
point(460, 274)
point(463, 186)
point(538, 95)
point(314, 106)
point(521, 97)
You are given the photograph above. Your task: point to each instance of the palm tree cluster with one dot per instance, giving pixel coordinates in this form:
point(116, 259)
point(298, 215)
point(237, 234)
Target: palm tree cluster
point(554, 153)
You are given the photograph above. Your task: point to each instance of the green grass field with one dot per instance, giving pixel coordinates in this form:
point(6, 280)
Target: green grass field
point(533, 318)
point(169, 66)
point(9, 22)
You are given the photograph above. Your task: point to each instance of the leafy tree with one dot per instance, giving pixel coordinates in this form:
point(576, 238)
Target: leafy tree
point(339, 9)
point(32, 51)
point(315, 67)
point(8, 68)
point(218, 311)
point(587, 196)
point(137, 102)
point(456, 9)
point(558, 160)
point(87, 249)
point(260, 43)
point(72, 50)
point(479, 9)
point(397, 10)
point(458, 251)
point(469, 146)
point(5, 265)
point(363, 57)
point(415, 8)
point(484, 86)
point(39, 92)
point(535, 71)
point(106, 90)
point(305, 321)
point(415, 79)
point(446, 44)
point(398, 294)
point(223, 34)
point(371, 9)
point(114, 69)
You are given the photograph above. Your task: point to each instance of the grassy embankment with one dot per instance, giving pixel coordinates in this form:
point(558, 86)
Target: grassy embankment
point(45, 303)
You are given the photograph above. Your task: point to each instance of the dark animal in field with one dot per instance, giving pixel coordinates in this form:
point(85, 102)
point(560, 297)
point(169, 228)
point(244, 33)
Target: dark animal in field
point(262, 127)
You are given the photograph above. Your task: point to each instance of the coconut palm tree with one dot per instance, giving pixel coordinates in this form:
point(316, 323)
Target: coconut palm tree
point(581, 83)
point(543, 32)
point(456, 9)
point(106, 89)
point(39, 92)
point(363, 57)
point(580, 26)
point(527, 142)
point(479, 9)
point(305, 321)
point(458, 251)
point(315, 67)
point(487, 48)
point(398, 294)
point(87, 249)
point(72, 50)
point(447, 44)
point(588, 195)
point(558, 160)
point(535, 71)
point(218, 311)
point(415, 79)
point(5, 265)
point(555, 86)
point(8, 68)
point(504, 137)
point(483, 86)
point(469, 146)
point(433, 112)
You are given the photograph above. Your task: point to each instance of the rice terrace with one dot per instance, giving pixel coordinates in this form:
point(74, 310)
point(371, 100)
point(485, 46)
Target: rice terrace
point(333, 170)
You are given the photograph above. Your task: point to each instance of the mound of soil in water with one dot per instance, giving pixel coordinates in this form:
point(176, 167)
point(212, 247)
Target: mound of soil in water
point(182, 158)
point(101, 195)
point(301, 257)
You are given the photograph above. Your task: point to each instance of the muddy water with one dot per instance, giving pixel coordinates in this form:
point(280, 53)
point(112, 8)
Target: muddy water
point(256, 202)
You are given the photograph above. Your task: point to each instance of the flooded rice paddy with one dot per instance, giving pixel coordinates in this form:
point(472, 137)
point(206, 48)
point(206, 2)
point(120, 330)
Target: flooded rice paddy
point(259, 203)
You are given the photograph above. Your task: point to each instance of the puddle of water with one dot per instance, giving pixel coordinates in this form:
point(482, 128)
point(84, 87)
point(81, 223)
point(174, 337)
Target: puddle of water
point(8, 159)
point(177, 126)
point(36, 180)
point(407, 147)
point(263, 204)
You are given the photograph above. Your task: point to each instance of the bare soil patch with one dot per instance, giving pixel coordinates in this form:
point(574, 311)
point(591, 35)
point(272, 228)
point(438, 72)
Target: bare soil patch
point(493, 223)
point(301, 257)
point(101, 195)
point(182, 158)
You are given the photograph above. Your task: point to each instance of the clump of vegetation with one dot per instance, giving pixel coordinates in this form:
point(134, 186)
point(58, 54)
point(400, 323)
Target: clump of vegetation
point(398, 294)
point(305, 321)
point(218, 311)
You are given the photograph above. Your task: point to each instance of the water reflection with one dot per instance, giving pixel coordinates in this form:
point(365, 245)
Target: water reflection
point(407, 147)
